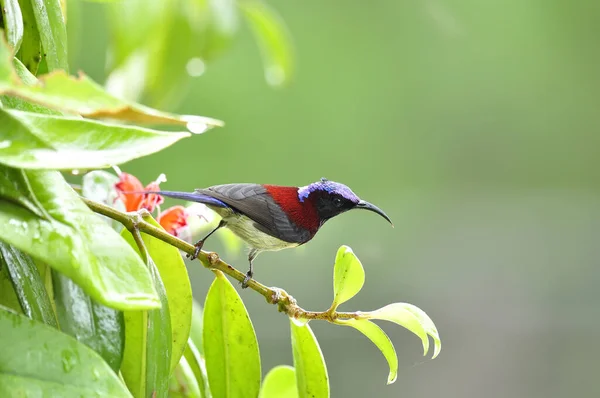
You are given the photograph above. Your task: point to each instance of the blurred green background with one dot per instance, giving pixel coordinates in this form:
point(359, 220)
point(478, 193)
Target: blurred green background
point(474, 125)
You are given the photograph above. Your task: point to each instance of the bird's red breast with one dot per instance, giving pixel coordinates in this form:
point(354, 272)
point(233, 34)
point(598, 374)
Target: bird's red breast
point(303, 214)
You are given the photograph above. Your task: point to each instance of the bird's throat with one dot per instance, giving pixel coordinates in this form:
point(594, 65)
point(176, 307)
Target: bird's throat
point(303, 214)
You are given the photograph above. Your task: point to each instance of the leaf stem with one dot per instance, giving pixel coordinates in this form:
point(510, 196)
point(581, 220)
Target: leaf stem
point(134, 222)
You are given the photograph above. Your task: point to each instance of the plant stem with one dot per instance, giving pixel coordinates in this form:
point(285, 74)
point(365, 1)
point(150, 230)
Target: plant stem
point(285, 302)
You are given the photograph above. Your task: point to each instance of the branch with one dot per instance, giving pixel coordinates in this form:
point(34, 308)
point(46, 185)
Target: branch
point(285, 302)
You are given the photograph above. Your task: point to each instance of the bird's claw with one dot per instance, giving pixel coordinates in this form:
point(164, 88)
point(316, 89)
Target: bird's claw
point(246, 280)
point(198, 246)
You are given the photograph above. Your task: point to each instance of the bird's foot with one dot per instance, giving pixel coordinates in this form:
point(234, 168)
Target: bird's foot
point(198, 246)
point(246, 279)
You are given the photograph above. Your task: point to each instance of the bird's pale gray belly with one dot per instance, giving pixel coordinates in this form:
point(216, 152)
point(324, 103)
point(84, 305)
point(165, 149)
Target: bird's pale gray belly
point(244, 227)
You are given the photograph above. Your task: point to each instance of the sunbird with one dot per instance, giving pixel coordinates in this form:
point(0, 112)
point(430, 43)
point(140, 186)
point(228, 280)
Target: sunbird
point(273, 217)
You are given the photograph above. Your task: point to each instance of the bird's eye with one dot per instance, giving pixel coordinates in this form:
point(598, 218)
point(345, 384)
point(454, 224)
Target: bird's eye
point(338, 202)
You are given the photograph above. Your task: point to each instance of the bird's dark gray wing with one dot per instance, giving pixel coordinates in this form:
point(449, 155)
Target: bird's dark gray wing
point(254, 201)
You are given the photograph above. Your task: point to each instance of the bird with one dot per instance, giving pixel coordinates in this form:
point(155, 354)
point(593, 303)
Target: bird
point(273, 217)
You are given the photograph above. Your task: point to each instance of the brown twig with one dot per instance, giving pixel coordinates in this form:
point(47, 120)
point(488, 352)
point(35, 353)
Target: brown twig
point(285, 302)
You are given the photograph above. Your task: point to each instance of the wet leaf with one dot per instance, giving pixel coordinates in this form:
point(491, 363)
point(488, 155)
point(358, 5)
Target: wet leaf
point(348, 276)
point(311, 372)
point(42, 216)
point(97, 326)
point(176, 281)
point(280, 382)
point(380, 339)
point(8, 296)
point(13, 22)
point(20, 104)
point(39, 360)
point(273, 39)
point(230, 345)
point(27, 284)
point(84, 97)
point(36, 141)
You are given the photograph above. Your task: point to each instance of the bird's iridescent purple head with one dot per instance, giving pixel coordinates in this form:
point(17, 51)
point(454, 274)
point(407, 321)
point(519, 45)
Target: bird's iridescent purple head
point(330, 187)
point(338, 199)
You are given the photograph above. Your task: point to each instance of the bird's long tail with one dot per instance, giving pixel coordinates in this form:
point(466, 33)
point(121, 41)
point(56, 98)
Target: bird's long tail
point(191, 196)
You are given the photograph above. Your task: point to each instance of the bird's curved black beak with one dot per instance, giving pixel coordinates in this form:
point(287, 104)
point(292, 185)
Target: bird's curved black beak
point(368, 206)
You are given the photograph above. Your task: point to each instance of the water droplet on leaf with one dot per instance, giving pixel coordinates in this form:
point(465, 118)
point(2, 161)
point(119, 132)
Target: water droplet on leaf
point(68, 361)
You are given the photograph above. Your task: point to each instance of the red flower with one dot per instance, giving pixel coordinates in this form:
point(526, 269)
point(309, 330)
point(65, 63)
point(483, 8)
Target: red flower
point(134, 196)
point(174, 219)
point(151, 200)
point(131, 192)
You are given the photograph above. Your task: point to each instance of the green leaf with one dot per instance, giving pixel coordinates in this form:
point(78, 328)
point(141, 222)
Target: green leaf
point(428, 326)
point(411, 318)
point(46, 275)
point(38, 360)
point(146, 363)
point(83, 96)
point(230, 345)
point(273, 39)
point(21, 104)
point(41, 215)
point(99, 327)
point(380, 339)
point(53, 32)
point(196, 327)
point(311, 372)
point(348, 276)
point(13, 22)
point(36, 141)
point(193, 351)
point(183, 383)
point(7, 74)
point(8, 296)
point(174, 276)
point(30, 52)
point(198, 367)
point(28, 285)
point(280, 382)
point(160, 344)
